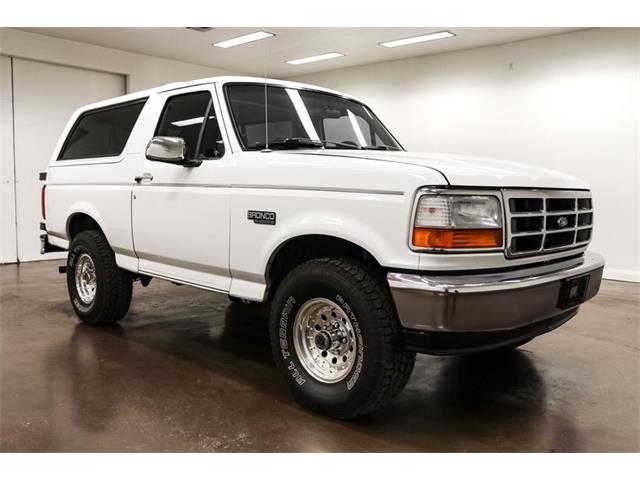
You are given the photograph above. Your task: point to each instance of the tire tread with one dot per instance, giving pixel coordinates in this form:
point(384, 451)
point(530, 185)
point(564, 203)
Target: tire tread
point(117, 283)
point(398, 363)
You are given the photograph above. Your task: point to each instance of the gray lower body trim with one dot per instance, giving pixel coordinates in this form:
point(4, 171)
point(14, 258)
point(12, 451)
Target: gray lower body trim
point(487, 302)
point(179, 281)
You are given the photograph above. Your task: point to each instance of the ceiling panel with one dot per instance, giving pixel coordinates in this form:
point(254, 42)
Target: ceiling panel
point(359, 45)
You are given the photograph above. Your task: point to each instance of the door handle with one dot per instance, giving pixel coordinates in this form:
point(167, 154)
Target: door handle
point(144, 176)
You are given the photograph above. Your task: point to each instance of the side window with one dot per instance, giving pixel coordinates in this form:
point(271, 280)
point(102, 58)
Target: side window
point(191, 116)
point(101, 133)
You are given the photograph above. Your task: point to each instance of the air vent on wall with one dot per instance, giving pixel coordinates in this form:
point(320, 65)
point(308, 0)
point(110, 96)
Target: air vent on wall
point(200, 29)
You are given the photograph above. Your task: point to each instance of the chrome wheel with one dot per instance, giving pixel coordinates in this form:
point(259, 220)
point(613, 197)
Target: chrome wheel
point(85, 275)
point(324, 340)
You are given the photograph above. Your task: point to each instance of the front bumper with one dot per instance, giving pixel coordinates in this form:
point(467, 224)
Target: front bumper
point(436, 303)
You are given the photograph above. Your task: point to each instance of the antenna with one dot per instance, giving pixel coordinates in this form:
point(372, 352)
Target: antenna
point(266, 108)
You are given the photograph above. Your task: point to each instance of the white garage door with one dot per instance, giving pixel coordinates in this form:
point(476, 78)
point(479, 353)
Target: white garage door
point(44, 97)
point(7, 197)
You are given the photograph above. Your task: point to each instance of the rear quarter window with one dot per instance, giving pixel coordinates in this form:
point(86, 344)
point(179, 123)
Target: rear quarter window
point(103, 132)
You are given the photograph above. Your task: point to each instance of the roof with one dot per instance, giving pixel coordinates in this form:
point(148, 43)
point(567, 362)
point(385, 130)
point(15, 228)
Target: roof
point(206, 81)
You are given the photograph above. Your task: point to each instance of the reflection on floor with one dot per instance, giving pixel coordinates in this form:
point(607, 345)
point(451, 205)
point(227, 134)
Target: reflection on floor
point(189, 371)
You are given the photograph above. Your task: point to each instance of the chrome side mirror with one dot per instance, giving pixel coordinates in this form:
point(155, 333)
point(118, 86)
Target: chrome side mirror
point(167, 149)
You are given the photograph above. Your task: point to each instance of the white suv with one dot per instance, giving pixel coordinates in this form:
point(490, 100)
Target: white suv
point(272, 191)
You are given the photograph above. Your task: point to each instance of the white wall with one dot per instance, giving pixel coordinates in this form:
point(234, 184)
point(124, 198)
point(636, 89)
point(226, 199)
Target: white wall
point(51, 78)
point(142, 71)
point(569, 102)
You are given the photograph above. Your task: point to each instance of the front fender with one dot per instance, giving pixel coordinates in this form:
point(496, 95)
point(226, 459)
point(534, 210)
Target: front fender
point(376, 222)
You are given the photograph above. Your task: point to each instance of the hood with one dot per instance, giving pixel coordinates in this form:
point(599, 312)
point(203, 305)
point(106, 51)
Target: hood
point(472, 171)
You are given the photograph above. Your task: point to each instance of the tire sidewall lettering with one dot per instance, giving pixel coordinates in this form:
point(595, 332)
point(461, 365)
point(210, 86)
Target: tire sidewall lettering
point(283, 337)
point(354, 375)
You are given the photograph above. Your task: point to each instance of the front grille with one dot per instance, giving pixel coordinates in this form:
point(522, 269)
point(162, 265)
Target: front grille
point(544, 221)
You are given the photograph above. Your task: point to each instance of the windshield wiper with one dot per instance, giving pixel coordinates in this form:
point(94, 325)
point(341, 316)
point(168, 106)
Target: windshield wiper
point(294, 142)
point(302, 142)
point(352, 146)
point(381, 147)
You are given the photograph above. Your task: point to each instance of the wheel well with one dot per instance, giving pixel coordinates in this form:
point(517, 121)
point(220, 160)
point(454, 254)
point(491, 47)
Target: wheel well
point(81, 222)
point(307, 247)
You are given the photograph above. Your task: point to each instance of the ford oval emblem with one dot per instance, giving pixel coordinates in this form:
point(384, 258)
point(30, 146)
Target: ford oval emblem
point(563, 222)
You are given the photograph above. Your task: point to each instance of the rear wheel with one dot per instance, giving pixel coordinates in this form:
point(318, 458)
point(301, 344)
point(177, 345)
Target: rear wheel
point(99, 290)
point(335, 338)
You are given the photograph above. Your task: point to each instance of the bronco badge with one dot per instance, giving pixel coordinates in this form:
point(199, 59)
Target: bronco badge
point(264, 218)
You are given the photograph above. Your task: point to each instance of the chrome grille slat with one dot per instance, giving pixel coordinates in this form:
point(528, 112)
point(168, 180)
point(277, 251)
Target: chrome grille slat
point(527, 214)
point(538, 232)
point(580, 244)
point(566, 212)
point(531, 217)
point(526, 233)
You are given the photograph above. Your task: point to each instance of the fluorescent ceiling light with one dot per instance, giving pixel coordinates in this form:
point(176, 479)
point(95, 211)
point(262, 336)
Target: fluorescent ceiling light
point(316, 58)
point(190, 121)
point(422, 38)
point(251, 37)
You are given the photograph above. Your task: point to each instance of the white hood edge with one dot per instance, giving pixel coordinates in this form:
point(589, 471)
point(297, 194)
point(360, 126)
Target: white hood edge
point(473, 171)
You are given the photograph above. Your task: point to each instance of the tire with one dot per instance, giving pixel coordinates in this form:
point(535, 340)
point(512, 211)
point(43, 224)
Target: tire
point(112, 293)
point(379, 366)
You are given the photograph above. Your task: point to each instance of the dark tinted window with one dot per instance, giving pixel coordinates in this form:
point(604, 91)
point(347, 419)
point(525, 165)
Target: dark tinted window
point(345, 121)
point(101, 133)
point(247, 107)
point(299, 118)
point(184, 117)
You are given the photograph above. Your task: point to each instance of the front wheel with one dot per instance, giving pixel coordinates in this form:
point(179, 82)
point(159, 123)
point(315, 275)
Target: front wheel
point(336, 340)
point(99, 290)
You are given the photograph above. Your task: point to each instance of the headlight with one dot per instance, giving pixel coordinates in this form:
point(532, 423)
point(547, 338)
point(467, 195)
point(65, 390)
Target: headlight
point(457, 221)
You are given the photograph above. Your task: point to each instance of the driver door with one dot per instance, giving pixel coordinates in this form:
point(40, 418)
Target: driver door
point(180, 214)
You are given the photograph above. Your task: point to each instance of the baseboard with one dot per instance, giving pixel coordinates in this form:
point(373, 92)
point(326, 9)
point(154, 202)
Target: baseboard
point(622, 275)
point(43, 258)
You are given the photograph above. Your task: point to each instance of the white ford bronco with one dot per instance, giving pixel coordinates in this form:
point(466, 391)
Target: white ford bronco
point(273, 191)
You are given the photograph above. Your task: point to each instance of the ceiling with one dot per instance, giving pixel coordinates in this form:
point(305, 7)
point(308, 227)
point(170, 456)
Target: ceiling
point(358, 44)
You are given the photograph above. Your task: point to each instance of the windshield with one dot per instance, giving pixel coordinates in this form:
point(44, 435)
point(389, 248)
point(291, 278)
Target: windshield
point(297, 118)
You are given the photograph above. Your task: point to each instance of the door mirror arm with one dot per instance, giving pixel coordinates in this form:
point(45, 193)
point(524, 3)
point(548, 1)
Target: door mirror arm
point(191, 163)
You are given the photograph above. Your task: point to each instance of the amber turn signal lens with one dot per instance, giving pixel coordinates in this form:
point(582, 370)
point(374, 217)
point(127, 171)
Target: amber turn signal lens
point(446, 238)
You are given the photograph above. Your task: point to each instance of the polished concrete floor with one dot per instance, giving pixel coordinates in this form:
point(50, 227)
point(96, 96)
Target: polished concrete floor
point(188, 371)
